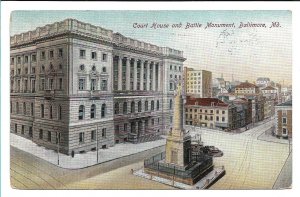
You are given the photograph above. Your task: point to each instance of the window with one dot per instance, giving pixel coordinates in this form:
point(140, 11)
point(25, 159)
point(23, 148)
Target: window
point(51, 112)
point(82, 53)
point(60, 52)
point(157, 105)
point(170, 67)
point(81, 112)
point(211, 118)
point(81, 84)
point(26, 59)
point(42, 57)
point(283, 120)
point(171, 86)
point(93, 111)
point(146, 105)
point(104, 57)
point(284, 112)
point(223, 119)
point(81, 67)
point(23, 130)
point(139, 106)
point(211, 111)
point(217, 111)
point(12, 61)
point(17, 107)
point(33, 85)
point(93, 84)
point(125, 108)
point(223, 112)
point(116, 108)
point(104, 85)
point(24, 108)
point(205, 117)
point(103, 110)
point(42, 111)
point(104, 69)
point(59, 113)
point(284, 131)
point(104, 132)
point(94, 55)
point(152, 105)
point(19, 60)
point(60, 67)
point(33, 58)
point(81, 137)
point(16, 128)
point(171, 119)
point(49, 136)
point(217, 118)
point(132, 107)
point(51, 82)
point(125, 127)
point(60, 83)
point(42, 84)
point(170, 104)
point(93, 135)
point(51, 54)
point(41, 134)
point(30, 132)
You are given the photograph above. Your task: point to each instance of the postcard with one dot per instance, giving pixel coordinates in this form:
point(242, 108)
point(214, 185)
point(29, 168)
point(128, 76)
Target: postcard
point(177, 99)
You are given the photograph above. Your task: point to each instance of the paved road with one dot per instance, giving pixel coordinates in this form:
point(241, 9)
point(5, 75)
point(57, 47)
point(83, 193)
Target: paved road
point(30, 172)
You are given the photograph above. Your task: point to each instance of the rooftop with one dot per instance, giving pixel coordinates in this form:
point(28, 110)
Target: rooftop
point(269, 88)
point(205, 102)
point(246, 85)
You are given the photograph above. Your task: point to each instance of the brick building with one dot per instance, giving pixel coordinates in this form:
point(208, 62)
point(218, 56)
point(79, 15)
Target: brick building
point(284, 119)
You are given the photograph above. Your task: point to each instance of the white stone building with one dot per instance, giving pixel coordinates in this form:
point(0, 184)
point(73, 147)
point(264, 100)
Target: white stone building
point(68, 77)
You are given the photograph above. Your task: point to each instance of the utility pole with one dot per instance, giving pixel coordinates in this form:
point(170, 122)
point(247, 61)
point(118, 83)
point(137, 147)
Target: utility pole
point(97, 144)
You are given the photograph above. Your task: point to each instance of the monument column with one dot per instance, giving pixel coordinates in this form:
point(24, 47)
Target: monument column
point(134, 74)
point(127, 73)
point(148, 76)
point(142, 75)
point(120, 73)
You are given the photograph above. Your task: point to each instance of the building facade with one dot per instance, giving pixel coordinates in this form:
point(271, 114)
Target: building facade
point(209, 112)
point(246, 88)
point(198, 83)
point(78, 87)
point(284, 119)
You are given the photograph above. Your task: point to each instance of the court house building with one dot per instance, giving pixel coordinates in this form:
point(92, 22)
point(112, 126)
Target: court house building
point(83, 87)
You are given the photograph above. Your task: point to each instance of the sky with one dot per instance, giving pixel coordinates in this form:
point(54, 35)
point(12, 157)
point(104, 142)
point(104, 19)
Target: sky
point(238, 53)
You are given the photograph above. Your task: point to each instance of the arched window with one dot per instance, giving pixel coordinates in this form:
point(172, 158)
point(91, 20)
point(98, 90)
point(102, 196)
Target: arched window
point(50, 112)
point(117, 108)
point(146, 105)
point(157, 105)
point(81, 112)
point(125, 108)
point(93, 111)
point(132, 107)
point(103, 110)
point(171, 104)
point(139, 106)
point(24, 108)
point(152, 105)
point(59, 113)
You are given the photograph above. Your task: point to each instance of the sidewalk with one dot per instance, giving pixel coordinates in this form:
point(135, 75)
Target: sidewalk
point(268, 137)
point(81, 160)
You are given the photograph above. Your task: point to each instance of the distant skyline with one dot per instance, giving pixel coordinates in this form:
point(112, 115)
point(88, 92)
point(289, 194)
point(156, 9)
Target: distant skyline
point(245, 53)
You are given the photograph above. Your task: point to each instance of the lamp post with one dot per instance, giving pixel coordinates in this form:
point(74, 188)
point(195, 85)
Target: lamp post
point(58, 141)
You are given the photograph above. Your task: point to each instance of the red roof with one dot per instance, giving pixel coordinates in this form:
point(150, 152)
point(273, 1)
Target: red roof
point(246, 85)
point(205, 102)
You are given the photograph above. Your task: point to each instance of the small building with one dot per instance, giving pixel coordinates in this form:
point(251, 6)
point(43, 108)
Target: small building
point(209, 112)
point(269, 108)
point(246, 88)
point(262, 82)
point(284, 116)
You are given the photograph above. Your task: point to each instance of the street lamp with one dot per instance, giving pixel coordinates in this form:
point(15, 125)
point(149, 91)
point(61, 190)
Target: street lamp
point(58, 141)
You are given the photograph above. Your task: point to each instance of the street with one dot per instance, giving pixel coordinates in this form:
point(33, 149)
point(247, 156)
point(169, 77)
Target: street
point(250, 164)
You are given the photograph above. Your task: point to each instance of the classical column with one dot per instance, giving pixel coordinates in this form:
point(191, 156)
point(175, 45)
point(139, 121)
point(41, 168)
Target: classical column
point(153, 77)
point(127, 73)
point(148, 76)
point(142, 76)
point(134, 74)
point(159, 77)
point(142, 132)
point(137, 127)
point(120, 73)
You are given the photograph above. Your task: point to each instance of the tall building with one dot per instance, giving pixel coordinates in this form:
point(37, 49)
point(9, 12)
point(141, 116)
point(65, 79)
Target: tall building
point(284, 119)
point(80, 86)
point(198, 83)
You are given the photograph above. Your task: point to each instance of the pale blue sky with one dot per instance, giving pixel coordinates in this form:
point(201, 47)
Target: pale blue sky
point(246, 53)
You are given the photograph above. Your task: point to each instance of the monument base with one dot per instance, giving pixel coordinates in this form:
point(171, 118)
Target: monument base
point(189, 175)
